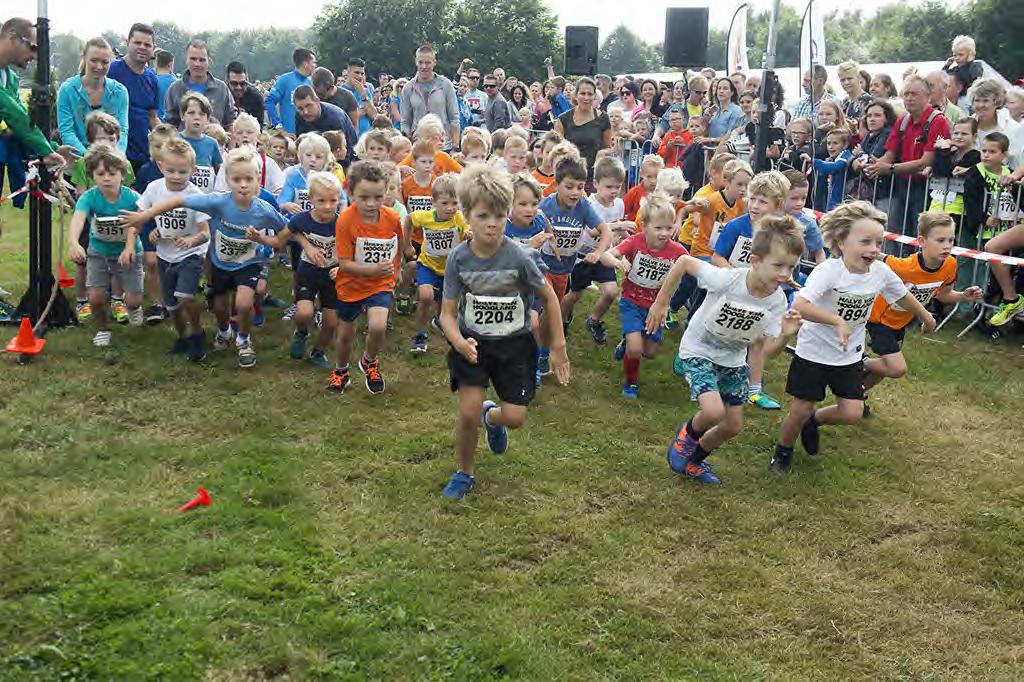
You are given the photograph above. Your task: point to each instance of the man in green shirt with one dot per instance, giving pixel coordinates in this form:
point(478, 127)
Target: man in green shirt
point(17, 48)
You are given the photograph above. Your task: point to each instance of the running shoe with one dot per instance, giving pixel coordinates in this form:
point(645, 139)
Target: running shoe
point(119, 310)
point(196, 347)
point(298, 345)
point(246, 355)
point(565, 325)
point(458, 485)
point(497, 436)
point(436, 324)
point(782, 460)
point(339, 381)
point(155, 314)
point(701, 471)
point(543, 365)
point(318, 319)
point(1007, 309)
point(83, 311)
point(259, 316)
point(630, 391)
point(679, 452)
point(403, 305)
point(371, 370)
point(135, 317)
point(419, 343)
point(620, 350)
point(596, 329)
point(102, 338)
point(809, 436)
point(764, 401)
point(179, 347)
point(318, 358)
point(289, 313)
point(672, 320)
point(222, 340)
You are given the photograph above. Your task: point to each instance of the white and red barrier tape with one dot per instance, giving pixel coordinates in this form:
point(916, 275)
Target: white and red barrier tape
point(960, 251)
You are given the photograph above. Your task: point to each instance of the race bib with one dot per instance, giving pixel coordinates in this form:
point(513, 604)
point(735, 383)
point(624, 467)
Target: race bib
point(420, 203)
point(325, 245)
point(922, 292)
point(648, 272)
point(439, 243)
point(713, 239)
point(495, 315)
point(302, 199)
point(172, 224)
point(110, 229)
point(946, 190)
point(203, 179)
point(370, 250)
point(231, 250)
point(854, 308)
point(1007, 211)
point(740, 256)
point(733, 322)
point(567, 239)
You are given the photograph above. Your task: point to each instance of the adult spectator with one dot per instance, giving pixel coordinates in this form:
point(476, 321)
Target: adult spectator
point(964, 65)
point(243, 94)
point(987, 97)
point(604, 86)
point(475, 97)
point(91, 91)
point(355, 83)
point(518, 99)
point(164, 77)
point(909, 150)
point(542, 116)
point(709, 73)
point(197, 78)
point(499, 76)
point(725, 114)
point(496, 115)
point(278, 102)
point(133, 73)
point(814, 94)
point(430, 93)
point(939, 81)
point(876, 126)
point(585, 125)
point(17, 49)
point(314, 116)
point(650, 98)
point(697, 90)
point(856, 97)
point(629, 97)
point(326, 87)
point(739, 79)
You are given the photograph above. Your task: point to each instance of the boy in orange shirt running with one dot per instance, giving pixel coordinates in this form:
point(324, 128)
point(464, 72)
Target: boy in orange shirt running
point(722, 206)
point(369, 241)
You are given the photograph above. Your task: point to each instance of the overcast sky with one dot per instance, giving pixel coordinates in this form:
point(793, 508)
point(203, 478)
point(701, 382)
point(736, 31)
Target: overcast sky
point(86, 18)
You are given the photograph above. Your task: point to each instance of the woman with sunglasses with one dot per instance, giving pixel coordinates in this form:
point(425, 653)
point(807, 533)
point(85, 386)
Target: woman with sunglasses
point(629, 95)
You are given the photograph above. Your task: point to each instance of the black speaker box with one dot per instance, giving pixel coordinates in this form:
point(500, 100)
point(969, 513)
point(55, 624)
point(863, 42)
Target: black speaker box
point(686, 36)
point(581, 50)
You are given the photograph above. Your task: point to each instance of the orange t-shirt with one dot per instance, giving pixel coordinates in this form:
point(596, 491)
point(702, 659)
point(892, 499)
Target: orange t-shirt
point(443, 163)
point(546, 181)
point(416, 197)
point(631, 201)
point(921, 282)
point(367, 244)
point(708, 224)
point(673, 153)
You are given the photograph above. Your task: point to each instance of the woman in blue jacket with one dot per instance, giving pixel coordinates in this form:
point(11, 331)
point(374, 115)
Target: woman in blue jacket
point(91, 91)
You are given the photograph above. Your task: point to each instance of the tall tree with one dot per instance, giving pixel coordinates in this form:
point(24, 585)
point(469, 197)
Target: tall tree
point(65, 56)
point(514, 34)
point(625, 52)
point(998, 27)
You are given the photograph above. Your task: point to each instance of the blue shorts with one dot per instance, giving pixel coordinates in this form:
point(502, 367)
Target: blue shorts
point(348, 311)
point(634, 319)
point(705, 376)
point(425, 275)
point(147, 246)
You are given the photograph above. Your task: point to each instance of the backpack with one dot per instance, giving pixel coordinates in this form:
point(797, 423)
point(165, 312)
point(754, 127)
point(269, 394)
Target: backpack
point(903, 129)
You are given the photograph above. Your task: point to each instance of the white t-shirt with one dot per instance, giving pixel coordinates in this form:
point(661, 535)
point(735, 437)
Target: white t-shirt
point(181, 222)
point(273, 182)
point(835, 289)
point(608, 215)
point(730, 319)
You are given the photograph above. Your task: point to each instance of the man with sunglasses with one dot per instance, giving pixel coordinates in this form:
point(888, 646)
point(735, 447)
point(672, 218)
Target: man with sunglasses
point(17, 48)
point(693, 105)
point(245, 96)
point(475, 97)
point(496, 117)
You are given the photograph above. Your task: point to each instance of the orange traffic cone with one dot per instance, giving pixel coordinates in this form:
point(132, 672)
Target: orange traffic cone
point(64, 279)
point(26, 343)
point(202, 498)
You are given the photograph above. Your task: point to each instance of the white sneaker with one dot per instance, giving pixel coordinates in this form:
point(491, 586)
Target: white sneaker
point(102, 339)
point(246, 354)
point(135, 316)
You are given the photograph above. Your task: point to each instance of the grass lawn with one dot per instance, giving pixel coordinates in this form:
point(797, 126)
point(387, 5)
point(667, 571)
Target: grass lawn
point(328, 553)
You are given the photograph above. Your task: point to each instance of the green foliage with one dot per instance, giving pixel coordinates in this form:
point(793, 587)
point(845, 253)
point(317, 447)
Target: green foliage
point(65, 55)
point(998, 26)
point(623, 51)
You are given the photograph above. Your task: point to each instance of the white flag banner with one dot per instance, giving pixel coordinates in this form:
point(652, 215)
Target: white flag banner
point(812, 38)
point(736, 52)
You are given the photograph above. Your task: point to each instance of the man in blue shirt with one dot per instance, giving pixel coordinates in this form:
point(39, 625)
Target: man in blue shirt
point(355, 82)
point(314, 116)
point(280, 109)
point(143, 91)
point(164, 77)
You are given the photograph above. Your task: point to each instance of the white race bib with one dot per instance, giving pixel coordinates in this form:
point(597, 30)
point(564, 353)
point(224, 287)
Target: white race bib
point(232, 250)
point(922, 292)
point(495, 315)
point(439, 243)
point(734, 322)
point(567, 239)
point(741, 250)
point(109, 229)
point(302, 199)
point(713, 239)
point(172, 224)
point(325, 245)
point(945, 190)
point(1007, 211)
point(203, 179)
point(648, 272)
point(370, 250)
point(420, 203)
point(854, 308)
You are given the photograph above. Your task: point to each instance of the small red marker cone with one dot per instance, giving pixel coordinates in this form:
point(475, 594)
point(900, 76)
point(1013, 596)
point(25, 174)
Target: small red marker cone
point(202, 498)
point(26, 342)
point(64, 279)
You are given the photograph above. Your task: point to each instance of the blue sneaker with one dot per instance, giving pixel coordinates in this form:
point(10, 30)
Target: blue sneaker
point(672, 320)
point(630, 391)
point(259, 317)
point(764, 401)
point(458, 485)
point(317, 358)
point(701, 471)
point(543, 365)
point(497, 436)
point(298, 346)
point(620, 350)
point(680, 450)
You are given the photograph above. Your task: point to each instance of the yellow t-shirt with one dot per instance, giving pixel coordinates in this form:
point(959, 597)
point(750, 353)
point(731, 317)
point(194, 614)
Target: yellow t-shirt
point(710, 223)
point(686, 234)
point(439, 237)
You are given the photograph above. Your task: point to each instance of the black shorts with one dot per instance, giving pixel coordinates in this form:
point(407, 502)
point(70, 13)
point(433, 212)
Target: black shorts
point(313, 282)
point(583, 274)
point(510, 364)
point(807, 380)
point(295, 254)
point(885, 340)
point(223, 281)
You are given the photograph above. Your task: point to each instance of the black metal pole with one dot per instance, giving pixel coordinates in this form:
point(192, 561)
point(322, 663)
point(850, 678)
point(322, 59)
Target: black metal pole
point(766, 109)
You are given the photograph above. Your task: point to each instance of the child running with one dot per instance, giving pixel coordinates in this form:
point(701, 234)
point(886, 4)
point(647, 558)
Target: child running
point(743, 306)
point(489, 284)
point(645, 259)
point(835, 305)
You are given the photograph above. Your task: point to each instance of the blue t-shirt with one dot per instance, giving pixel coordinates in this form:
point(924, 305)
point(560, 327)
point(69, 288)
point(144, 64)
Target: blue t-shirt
point(560, 105)
point(364, 120)
point(207, 151)
point(201, 88)
point(568, 226)
point(735, 241)
point(812, 234)
point(148, 172)
point(319, 235)
point(143, 93)
point(294, 188)
point(163, 81)
point(103, 219)
point(524, 234)
point(230, 249)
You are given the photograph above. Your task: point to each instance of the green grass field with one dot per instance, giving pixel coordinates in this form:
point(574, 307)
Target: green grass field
point(328, 553)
